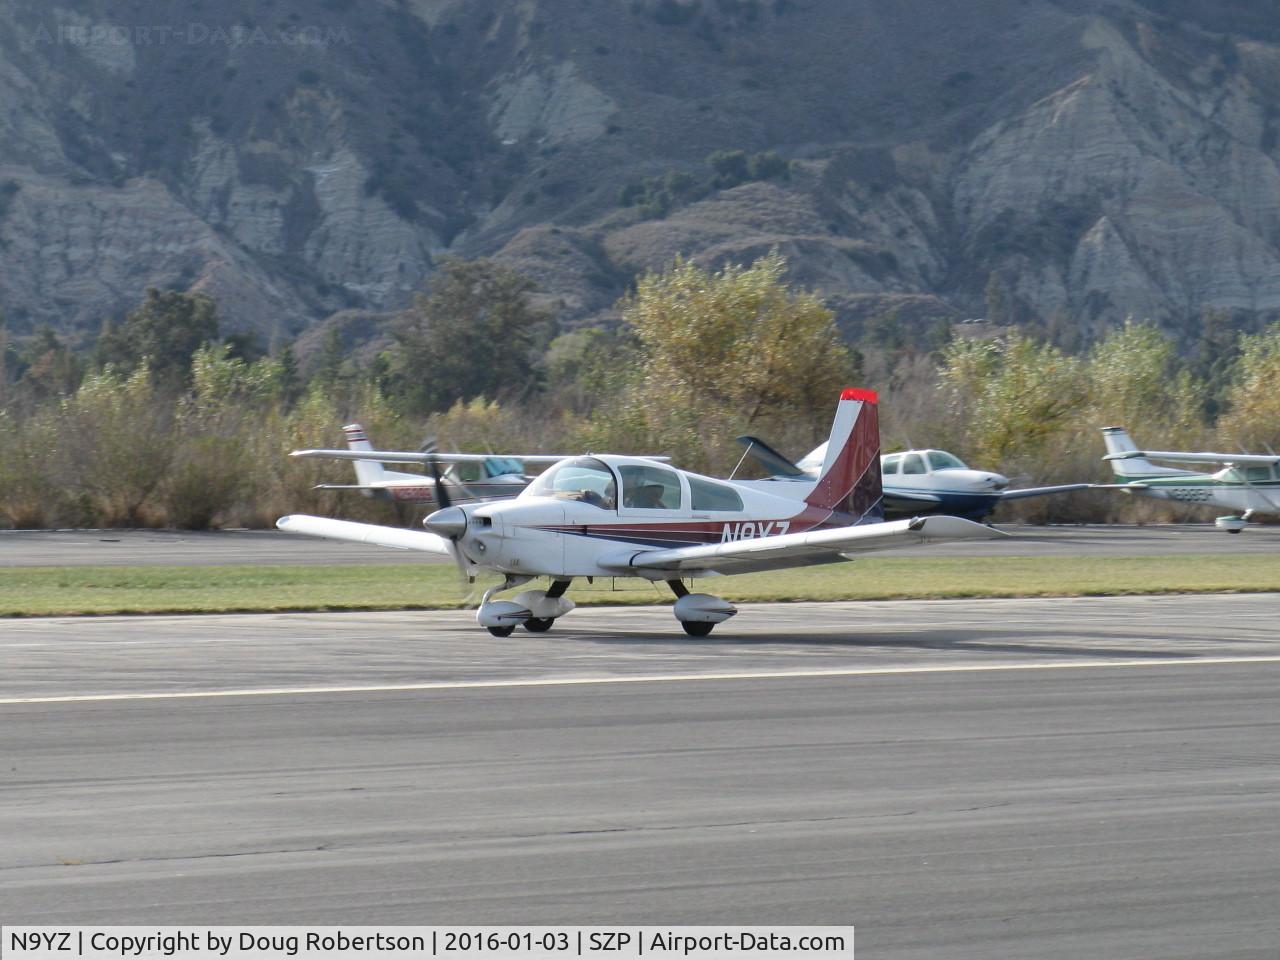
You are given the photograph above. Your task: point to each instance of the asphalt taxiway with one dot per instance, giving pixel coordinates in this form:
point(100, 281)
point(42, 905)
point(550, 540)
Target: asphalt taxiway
point(1030, 778)
point(186, 548)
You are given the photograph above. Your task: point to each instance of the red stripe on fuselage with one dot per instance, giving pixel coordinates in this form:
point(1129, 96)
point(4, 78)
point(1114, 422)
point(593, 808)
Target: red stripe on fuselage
point(690, 533)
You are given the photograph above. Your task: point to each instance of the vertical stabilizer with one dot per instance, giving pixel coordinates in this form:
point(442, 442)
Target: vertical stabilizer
point(1134, 467)
point(849, 481)
point(368, 472)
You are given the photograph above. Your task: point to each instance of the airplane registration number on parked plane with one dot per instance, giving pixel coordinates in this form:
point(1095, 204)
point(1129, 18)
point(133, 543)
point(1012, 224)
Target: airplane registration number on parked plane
point(753, 529)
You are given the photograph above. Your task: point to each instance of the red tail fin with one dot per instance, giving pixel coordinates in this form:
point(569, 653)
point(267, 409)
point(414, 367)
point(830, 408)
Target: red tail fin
point(849, 482)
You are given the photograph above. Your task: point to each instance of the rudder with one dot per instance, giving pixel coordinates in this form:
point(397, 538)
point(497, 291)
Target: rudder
point(849, 481)
point(1129, 468)
point(368, 472)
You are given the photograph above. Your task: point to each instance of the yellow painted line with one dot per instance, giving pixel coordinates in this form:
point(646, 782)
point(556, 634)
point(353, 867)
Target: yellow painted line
point(656, 678)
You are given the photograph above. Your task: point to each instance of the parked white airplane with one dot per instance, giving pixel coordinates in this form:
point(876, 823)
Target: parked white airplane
point(470, 476)
point(606, 516)
point(1247, 483)
point(915, 481)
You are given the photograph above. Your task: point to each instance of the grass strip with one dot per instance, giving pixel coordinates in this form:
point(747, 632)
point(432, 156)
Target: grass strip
point(57, 591)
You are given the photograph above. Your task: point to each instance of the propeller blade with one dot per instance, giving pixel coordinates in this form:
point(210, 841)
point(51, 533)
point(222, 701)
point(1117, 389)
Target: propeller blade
point(443, 500)
point(450, 523)
point(466, 582)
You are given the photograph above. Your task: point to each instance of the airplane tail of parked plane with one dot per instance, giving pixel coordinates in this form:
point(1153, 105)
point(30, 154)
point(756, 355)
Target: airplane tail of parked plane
point(368, 472)
point(1128, 461)
point(849, 481)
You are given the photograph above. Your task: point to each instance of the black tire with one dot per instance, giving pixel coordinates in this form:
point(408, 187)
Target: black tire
point(697, 628)
point(1236, 530)
point(539, 624)
point(501, 631)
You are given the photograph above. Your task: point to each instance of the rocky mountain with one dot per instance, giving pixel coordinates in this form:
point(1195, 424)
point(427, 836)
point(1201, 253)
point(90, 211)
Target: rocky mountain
point(1074, 161)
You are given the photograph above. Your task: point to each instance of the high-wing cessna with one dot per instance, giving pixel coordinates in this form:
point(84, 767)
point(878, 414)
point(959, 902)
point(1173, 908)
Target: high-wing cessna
point(915, 482)
point(607, 516)
point(1247, 483)
point(468, 476)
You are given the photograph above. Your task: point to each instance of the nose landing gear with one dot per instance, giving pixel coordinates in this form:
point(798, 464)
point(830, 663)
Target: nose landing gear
point(536, 610)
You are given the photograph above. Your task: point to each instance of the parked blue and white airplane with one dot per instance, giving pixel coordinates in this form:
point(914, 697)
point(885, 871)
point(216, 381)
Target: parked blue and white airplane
point(1248, 483)
point(915, 482)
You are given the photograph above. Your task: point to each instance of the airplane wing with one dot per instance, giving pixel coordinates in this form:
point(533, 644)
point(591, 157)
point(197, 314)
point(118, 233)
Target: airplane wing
point(1135, 485)
point(424, 482)
point(800, 549)
point(1043, 491)
point(408, 456)
point(370, 533)
point(1255, 458)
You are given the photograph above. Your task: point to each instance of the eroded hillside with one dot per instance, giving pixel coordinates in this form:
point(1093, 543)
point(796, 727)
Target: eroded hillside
point(1071, 161)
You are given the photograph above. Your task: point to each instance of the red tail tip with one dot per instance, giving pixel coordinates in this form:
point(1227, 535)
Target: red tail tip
point(853, 393)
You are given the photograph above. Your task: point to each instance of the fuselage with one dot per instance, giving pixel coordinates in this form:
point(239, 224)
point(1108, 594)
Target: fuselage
point(587, 510)
point(1253, 488)
point(478, 482)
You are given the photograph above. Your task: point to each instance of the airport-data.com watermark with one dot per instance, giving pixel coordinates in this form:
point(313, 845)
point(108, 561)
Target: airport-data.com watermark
point(190, 34)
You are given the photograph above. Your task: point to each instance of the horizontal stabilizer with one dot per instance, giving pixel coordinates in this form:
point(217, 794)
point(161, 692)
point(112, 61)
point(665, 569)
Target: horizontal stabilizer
point(371, 533)
point(1182, 457)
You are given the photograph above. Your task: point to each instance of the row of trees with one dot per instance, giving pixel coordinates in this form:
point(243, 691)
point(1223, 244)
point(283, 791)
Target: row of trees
point(163, 424)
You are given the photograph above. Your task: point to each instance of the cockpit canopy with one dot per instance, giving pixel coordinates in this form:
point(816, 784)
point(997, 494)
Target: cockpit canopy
point(584, 479)
point(649, 487)
point(921, 461)
point(645, 486)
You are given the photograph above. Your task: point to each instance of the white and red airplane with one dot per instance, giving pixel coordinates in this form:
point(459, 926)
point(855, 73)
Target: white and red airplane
point(616, 516)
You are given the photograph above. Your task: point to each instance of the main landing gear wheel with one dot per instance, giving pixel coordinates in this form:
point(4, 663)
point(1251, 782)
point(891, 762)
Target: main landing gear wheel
point(538, 624)
point(697, 628)
point(501, 631)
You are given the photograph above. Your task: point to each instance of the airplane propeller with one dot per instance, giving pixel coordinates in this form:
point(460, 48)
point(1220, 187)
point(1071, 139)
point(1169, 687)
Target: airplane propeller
point(449, 522)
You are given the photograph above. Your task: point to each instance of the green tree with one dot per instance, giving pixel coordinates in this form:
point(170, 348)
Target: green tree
point(729, 350)
point(117, 443)
point(1253, 417)
point(49, 368)
point(731, 168)
point(333, 359)
point(998, 300)
point(1136, 379)
point(1015, 396)
point(164, 332)
point(1214, 358)
point(290, 378)
point(474, 333)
